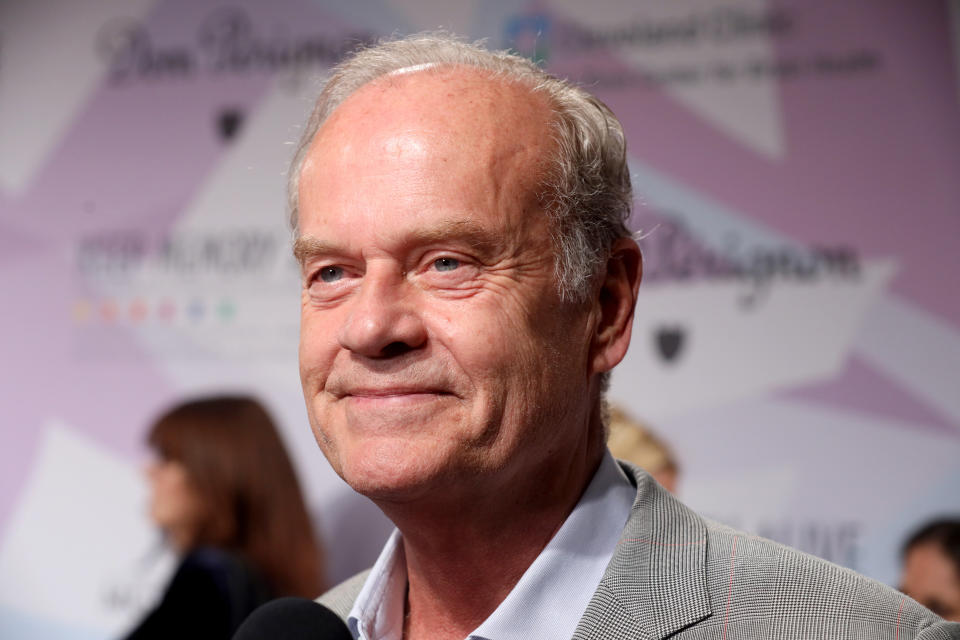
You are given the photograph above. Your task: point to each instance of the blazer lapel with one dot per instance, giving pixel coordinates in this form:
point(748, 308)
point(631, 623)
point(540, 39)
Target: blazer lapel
point(656, 582)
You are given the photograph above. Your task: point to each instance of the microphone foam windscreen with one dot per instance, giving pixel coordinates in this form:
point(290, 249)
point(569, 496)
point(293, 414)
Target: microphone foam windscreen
point(293, 619)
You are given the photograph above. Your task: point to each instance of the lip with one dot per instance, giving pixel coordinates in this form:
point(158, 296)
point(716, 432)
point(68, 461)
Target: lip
point(386, 393)
point(394, 401)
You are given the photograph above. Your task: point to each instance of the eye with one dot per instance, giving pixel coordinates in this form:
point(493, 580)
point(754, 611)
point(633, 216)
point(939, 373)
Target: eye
point(446, 264)
point(330, 274)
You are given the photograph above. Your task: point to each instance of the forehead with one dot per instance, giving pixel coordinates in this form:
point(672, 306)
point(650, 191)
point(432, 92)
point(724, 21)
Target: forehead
point(437, 111)
point(447, 94)
point(435, 142)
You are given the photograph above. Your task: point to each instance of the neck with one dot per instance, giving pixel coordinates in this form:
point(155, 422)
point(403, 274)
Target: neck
point(465, 554)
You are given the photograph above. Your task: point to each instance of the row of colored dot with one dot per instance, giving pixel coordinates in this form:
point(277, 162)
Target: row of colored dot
point(137, 311)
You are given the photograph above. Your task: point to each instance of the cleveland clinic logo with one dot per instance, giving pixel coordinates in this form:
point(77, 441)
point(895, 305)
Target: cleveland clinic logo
point(537, 35)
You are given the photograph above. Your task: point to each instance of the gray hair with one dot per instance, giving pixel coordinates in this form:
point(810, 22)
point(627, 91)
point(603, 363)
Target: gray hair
point(586, 189)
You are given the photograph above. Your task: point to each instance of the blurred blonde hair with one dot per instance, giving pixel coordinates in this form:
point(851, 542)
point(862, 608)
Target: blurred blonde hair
point(633, 441)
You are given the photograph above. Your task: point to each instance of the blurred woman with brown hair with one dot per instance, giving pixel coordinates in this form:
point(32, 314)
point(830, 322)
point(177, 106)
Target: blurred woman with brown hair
point(227, 500)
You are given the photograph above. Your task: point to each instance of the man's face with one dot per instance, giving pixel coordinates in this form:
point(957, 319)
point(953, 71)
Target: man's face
point(930, 578)
point(435, 352)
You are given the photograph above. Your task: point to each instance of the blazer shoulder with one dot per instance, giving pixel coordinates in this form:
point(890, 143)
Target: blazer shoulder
point(340, 599)
point(758, 574)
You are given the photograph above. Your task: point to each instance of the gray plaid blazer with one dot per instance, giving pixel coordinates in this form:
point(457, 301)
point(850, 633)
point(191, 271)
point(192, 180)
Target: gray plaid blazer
point(677, 575)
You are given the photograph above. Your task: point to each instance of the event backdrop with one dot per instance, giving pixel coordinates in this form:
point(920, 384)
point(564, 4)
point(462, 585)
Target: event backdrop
point(797, 339)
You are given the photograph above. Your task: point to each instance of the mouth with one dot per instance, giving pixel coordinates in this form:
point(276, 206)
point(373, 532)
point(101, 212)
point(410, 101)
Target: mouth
point(390, 409)
point(393, 394)
point(388, 406)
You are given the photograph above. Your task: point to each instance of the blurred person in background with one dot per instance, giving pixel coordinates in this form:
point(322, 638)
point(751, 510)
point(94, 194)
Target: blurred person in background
point(227, 500)
point(931, 567)
point(634, 442)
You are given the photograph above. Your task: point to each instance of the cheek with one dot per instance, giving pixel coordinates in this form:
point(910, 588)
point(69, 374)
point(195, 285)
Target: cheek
point(483, 340)
point(471, 335)
point(156, 500)
point(172, 500)
point(504, 352)
point(318, 344)
point(161, 490)
point(318, 351)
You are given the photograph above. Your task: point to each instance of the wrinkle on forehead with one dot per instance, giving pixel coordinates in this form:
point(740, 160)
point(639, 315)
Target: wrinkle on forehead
point(473, 104)
point(485, 137)
point(481, 239)
point(405, 144)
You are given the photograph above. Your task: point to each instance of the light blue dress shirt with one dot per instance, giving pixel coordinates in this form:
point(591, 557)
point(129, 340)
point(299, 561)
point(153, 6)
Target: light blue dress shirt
point(549, 598)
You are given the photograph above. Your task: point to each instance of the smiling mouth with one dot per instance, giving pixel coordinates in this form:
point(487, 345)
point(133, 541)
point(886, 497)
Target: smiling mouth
point(394, 394)
point(394, 402)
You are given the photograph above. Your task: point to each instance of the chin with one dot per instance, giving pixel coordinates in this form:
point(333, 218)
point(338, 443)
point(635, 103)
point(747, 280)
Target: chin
point(392, 471)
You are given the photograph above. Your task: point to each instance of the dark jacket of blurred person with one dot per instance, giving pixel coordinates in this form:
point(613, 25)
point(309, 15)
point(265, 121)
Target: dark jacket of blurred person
point(931, 567)
point(227, 499)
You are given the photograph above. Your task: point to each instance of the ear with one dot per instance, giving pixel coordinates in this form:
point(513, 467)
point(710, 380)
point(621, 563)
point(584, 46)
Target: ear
point(614, 304)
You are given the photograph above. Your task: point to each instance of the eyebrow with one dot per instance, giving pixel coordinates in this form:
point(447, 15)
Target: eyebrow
point(465, 230)
point(476, 236)
point(305, 247)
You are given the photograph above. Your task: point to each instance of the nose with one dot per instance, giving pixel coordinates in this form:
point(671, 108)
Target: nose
point(384, 319)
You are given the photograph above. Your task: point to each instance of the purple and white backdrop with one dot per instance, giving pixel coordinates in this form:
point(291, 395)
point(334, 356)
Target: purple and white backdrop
point(797, 340)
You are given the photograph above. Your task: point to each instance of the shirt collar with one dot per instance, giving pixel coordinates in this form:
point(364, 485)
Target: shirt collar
point(377, 612)
point(550, 597)
point(553, 593)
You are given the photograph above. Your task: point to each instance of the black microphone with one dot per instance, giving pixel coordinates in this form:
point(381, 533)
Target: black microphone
point(293, 619)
